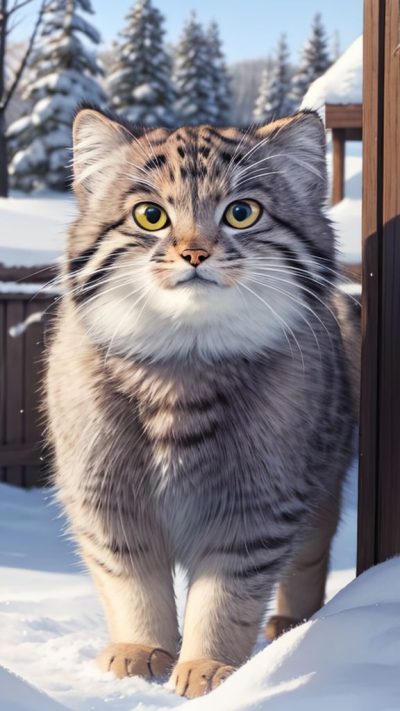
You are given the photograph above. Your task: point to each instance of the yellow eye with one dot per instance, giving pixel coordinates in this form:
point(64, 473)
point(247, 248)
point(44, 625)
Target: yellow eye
point(150, 216)
point(242, 213)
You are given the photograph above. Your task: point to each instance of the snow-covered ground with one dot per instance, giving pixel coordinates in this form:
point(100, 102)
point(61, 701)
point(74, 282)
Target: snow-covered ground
point(52, 626)
point(346, 215)
point(32, 227)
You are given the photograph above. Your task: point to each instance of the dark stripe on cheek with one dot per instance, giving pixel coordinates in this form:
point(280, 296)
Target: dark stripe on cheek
point(315, 252)
point(82, 259)
point(305, 276)
point(90, 286)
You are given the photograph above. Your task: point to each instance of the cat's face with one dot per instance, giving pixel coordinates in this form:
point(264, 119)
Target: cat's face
point(198, 239)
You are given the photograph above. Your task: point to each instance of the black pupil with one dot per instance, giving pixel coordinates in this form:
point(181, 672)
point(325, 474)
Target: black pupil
point(153, 214)
point(241, 211)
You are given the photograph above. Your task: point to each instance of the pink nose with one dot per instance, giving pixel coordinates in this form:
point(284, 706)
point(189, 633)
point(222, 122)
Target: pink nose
point(194, 256)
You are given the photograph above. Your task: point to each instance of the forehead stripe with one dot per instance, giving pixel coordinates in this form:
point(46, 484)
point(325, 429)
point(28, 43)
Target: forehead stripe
point(156, 162)
point(139, 188)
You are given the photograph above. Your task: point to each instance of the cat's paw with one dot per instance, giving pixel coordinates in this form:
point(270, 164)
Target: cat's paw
point(278, 624)
point(197, 678)
point(135, 660)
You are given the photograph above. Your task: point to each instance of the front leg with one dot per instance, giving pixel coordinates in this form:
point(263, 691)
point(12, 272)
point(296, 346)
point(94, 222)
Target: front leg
point(138, 599)
point(222, 619)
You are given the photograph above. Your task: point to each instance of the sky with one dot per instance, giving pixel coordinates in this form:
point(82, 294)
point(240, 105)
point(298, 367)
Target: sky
point(249, 28)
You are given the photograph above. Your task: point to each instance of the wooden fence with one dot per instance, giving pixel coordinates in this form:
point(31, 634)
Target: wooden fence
point(379, 479)
point(21, 369)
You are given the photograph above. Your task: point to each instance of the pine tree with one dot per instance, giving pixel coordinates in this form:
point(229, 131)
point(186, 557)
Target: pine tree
point(61, 73)
point(275, 89)
point(139, 83)
point(195, 92)
point(314, 61)
point(219, 78)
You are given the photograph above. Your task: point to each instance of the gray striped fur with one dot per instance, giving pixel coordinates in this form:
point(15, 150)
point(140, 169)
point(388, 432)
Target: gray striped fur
point(213, 436)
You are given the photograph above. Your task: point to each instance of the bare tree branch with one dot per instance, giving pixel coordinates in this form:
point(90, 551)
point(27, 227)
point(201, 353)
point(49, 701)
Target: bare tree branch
point(17, 6)
point(21, 68)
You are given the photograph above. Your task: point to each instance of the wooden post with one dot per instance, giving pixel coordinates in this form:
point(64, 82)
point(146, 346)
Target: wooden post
point(338, 146)
point(379, 481)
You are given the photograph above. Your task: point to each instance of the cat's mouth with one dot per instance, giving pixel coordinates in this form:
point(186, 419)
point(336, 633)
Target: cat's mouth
point(196, 278)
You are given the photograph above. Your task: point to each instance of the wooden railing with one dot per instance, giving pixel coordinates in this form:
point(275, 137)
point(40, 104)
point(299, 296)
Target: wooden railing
point(22, 459)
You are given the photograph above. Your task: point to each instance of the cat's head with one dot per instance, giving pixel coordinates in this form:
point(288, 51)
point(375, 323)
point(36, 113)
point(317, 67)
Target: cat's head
point(200, 239)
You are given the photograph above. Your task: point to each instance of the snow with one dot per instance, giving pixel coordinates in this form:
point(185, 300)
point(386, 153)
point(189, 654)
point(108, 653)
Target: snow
point(346, 215)
point(52, 627)
point(61, 72)
point(18, 695)
point(19, 287)
point(346, 657)
point(32, 229)
point(341, 83)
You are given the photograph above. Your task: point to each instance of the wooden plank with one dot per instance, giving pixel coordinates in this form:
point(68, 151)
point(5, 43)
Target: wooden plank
point(338, 145)
point(388, 518)
point(343, 115)
point(353, 134)
point(18, 456)
point(33, 366)
point(14, 389)
point(36, 274)
point(371, 279)
point(352, 272)
point(2, 382)
point(28, 296)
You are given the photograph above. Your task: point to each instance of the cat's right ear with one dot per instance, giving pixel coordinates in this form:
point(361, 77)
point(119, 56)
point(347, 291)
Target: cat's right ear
point(95, 138)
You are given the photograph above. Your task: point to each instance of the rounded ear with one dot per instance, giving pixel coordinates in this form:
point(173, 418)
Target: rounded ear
point(301, 143)
point(95, 137)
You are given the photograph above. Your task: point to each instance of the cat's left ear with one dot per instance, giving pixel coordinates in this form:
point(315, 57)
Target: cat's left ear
point(96, 138)
point(299, 146)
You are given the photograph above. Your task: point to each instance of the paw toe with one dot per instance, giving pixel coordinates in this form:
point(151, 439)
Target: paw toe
point(196, 678)
point(135, 660)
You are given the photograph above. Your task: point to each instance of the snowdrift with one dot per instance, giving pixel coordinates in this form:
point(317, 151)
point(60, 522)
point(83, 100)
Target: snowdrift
point(341, 83)
point(347, 657)
point(52, 628)
point(17, 695)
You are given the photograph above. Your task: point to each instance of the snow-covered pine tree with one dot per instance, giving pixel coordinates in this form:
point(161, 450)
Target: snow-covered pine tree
point(195, 102)
point(139, 82)
point(62, 72)
point(219, 78)
point(274, 99)
point(314, 61)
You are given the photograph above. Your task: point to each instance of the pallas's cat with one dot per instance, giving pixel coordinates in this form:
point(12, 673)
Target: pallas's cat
point(198, 391)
